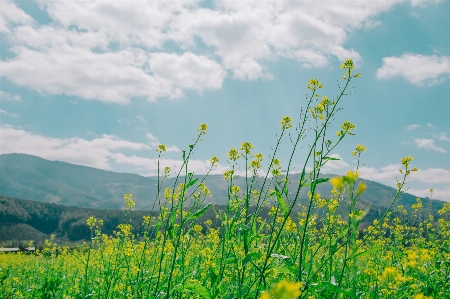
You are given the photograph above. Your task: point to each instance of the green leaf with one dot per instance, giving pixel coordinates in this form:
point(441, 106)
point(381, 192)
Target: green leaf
point(197, 289)
point(328, 286)
point(192, 182)
point(250, 257)
point(317, 182)
point(197, 214)
point(230, 260)
point(170, 231)
point(371, 250)
point(331, 158)
point(285, 270)
point(281, 201)
point(213, 276)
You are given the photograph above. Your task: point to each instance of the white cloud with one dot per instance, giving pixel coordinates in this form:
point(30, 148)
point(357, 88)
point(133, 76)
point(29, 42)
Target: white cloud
point(416, 69)
point(370, 24)
point(432, 176)
point(7, 113)
point(391, 172)
point(443, 137)
point(114, 51)
point(141, 118)
point(424, 3)
point(387, 174)
point(10, 14)
point(428, 144)
point(440, 194)
point(94, 153)
point(412, 127)
point(332, 165)
point(187, 71)
point(7, 97)
point(99, 152)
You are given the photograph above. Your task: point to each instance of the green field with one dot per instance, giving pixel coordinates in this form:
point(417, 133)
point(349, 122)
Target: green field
point(298, 250)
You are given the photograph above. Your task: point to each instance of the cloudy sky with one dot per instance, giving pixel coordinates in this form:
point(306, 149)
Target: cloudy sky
point(102, 83)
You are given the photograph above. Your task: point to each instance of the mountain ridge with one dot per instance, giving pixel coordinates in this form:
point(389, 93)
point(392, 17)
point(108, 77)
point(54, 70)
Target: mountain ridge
point(34, 178)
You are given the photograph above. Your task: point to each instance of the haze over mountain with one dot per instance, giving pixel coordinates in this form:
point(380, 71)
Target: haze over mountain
point(37, 179)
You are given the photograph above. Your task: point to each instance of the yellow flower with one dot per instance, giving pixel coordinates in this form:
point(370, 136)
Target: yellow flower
point(233, 154)
point(129, 203)
point(361, 188)
point(352, 176)
point(337, 182)
point(91, 222)
point(203, 128)
point(256, 163)
point(314, 84)
point(359, 149)
point(214, 161)
point(348, 64)
point(406, 160)
point(283, 290)
point(286, 122)
point(246, 147)
point(161, 148)
point(228, 174)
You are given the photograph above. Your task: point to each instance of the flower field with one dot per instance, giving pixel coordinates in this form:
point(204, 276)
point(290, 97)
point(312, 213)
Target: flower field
point(313, 250)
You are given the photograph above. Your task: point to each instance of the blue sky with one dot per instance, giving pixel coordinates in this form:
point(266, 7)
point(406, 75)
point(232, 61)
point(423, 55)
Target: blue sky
point(102, 83)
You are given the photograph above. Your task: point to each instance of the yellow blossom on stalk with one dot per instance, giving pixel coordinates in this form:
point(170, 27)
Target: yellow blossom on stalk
point(161, 148)
point(125, 229)
point(166, 172)
point(214, 161)
point(286, 122)
point(421, 296)
point(168, 192)
point(146, 220)
point(235, 189)
point(228, 174)
point(256, 163)
point(347, 127)
point(359, 149)
point(361, 188)
point(283, 290)
point(91, 222)
point(203, 128)
point(407, 160)
point(348, 64)
point(393, 277)
point(314, 84)
point(129, 203)
point(337, 182)
point(276, 167)
point(352, 176)
point(246, 147)
point(233, 154)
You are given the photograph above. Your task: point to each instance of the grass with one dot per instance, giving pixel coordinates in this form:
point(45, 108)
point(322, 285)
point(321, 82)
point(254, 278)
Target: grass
point(299, 251)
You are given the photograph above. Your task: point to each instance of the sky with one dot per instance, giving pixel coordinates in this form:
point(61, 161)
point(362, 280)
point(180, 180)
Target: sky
point(103, 83)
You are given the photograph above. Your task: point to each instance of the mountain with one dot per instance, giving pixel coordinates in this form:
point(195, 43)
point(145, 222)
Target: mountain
point(37, 179)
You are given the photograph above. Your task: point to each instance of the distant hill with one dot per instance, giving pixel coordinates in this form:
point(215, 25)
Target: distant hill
point(22, 219)
point(37, 179)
